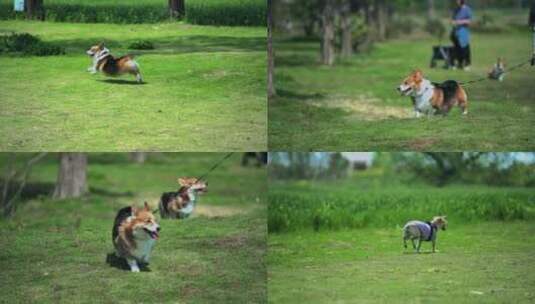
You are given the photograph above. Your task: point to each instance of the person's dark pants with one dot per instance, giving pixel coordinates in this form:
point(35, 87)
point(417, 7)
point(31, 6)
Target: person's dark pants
point(462, 55)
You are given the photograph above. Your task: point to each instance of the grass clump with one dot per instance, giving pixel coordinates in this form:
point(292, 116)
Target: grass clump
point(141, 45)
point(27, 44)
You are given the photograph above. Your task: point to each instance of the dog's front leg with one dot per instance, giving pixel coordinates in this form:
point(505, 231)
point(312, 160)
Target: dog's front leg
point(419, 245)
point(434, 243)
point(133, 265)
point(416, 113)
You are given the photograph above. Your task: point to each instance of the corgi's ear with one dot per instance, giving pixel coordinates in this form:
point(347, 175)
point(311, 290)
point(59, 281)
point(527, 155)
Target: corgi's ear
point(418, 75)
point(134, 210)
point(147, 208)
point(182, 181)
point(101, 44)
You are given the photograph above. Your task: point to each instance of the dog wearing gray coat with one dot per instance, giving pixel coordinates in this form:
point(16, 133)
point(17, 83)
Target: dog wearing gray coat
point(419, 231)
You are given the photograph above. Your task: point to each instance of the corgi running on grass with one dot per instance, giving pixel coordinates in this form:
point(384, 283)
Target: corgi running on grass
point(134, 234)
point(104, 62)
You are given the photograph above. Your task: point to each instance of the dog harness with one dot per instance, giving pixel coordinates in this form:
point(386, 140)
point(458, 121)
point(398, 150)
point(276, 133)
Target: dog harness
point(187, 210)
point(427, 230)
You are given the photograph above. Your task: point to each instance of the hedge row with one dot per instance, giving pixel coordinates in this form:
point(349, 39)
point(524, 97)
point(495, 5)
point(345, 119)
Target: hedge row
point(205, 12)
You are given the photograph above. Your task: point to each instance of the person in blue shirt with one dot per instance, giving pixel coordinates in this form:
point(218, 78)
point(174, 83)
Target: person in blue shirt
point(460, 35)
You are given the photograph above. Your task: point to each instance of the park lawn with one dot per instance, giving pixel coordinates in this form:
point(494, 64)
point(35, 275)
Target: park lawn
point(353, 106)
point(56, 251)
point(488, 262)
point(204, 90)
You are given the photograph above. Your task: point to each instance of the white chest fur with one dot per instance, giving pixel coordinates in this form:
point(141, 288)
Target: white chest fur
point(422, 98)
point(144, 249)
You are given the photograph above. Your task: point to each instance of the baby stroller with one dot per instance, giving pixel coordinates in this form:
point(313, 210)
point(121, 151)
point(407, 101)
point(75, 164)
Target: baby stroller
point(445, 53)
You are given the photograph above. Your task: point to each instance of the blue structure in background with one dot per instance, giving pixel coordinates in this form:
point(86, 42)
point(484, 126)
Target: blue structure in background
point(18, 5)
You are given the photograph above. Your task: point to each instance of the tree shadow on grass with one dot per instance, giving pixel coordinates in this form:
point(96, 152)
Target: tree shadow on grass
point(171, 45)
point(282, 93)
point(31, 190)
point(120, 263)
point(421, 252)
point(104, 192)
point(122, 82)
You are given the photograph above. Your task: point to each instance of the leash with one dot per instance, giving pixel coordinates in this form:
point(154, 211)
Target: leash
point(203, 176)
point(515, 67)
point(214, 167)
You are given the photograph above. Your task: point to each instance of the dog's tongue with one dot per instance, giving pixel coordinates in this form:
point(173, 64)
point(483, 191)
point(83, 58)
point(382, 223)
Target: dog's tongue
point(155, 235)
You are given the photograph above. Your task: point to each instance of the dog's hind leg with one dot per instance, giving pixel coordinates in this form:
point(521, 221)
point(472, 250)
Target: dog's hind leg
point(133, 265)
point(138, 77)
point(434, 243)
point(419, 245)
point(462, 100)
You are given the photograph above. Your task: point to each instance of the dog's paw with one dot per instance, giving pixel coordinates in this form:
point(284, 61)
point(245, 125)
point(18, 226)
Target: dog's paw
point(135, 269)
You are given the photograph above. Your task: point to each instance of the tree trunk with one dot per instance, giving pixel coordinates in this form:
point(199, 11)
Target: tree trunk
point(35, 9)
point(430, 9)
point(327, 35)
point(381, 19)
point(71, 180)
point(347, 35)
point(138, 157)
point(177, 8)
point(271, 56)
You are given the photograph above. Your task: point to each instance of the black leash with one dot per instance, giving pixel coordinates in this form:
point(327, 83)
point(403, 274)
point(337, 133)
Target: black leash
point(506, 72)
point(207, 172)
point(214, 167)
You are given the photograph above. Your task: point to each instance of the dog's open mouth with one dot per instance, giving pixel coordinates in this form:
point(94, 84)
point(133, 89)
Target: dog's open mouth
point(153, 234)
point(406, 91)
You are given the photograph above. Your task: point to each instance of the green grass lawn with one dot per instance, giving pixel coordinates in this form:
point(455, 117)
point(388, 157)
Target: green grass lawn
point(353, 106)
point(56, 251)
point(491, 262)
point(204, 90)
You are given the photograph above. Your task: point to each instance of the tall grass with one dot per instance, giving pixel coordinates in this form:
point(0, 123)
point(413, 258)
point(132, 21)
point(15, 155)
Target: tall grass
point(320, 207)
point(208, 12)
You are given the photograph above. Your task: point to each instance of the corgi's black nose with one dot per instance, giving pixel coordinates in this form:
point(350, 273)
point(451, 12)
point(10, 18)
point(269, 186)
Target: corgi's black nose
point(158, 229)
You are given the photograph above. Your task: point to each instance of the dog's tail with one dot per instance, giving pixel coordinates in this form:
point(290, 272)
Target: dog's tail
point(121, 216)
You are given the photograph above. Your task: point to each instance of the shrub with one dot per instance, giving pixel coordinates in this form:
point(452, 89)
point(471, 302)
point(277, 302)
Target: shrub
point(228, 12)
point(28, 44)
point(400, 26)
point(436, 28)
point(141, 45)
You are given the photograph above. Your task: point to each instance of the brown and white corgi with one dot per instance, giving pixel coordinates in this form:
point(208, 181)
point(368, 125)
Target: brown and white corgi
point(180, 204)
point(430, 98)
point(134, 235)
point(104, 62)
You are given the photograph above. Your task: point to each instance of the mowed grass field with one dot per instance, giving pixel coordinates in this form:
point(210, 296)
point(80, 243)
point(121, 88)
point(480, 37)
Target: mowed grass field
point(478, 263)
point(346, 246)
point(56, 251)
point(204, 90)
point(354, 105)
